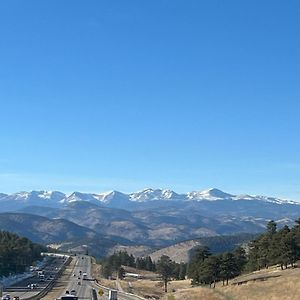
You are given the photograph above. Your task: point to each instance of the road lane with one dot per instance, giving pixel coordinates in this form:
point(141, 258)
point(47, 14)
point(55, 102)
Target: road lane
point(21, 289)
point(84, 289)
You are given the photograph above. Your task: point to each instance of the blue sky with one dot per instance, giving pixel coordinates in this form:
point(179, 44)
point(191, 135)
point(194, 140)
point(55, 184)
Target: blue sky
point(186, 95)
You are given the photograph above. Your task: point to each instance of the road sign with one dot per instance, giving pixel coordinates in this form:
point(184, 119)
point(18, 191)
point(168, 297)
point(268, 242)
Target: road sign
point(100, 292)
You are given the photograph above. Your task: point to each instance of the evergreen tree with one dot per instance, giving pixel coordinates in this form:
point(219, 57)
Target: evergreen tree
point(165, 269)
point(182, 271)
point(121, 273)
point(228, 267)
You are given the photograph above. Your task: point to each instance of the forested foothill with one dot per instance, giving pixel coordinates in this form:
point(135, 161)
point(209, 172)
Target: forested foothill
point(17, 253)
point(274, 247)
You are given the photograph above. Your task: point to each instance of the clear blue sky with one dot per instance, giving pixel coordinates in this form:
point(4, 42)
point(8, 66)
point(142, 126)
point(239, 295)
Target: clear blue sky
point(186, 95)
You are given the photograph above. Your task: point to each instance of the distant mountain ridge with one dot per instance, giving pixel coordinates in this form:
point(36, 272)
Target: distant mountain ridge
point(121, 200)
point(151, 217)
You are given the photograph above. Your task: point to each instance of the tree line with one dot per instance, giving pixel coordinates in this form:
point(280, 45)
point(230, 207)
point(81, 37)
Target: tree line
point(17, 253)
point(274, 247)
point(113, 264)
point(280, 247)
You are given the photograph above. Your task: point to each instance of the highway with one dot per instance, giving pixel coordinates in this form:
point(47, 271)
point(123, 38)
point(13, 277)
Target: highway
point(85, 287)
point(22, 289)
point(81, 287)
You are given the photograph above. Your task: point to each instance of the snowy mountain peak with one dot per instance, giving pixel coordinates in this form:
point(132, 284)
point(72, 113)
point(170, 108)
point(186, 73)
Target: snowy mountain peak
point(109, 196)
point(210, 194)
point(120, 200)
point(77, 196)
point(153, 194)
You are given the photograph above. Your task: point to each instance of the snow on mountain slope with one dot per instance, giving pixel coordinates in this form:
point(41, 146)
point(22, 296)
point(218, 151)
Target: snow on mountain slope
point(110, 196)
point(118, 199)
point(210, 194)
point(77, 196)
point(36, 197)
point(155, 194)
point(264, 199)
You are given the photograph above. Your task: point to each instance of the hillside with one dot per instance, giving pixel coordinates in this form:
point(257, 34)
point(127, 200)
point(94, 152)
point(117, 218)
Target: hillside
point(153, 218)
point(43, 230)
point(268, 284)
point(17, 253)
point(180, 252)
point(64, 233)
point(159, 227)
point(272, 283)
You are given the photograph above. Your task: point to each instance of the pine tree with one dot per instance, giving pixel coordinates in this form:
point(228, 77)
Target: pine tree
point(165, 269)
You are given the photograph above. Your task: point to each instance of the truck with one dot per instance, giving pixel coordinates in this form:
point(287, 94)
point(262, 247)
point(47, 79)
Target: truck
point(42, 277)
point(68, 297)
point(112, 295)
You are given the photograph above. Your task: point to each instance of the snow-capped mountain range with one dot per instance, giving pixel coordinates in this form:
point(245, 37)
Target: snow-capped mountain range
point(118, 199)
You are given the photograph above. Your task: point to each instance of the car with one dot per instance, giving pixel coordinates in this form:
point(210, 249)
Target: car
point(73, 292)
point(16, 298)
point(6, 297)
point(67, 292)
point(78, 283)
point(32, 286)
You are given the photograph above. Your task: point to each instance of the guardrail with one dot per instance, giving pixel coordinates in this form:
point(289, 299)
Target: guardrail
point(119, 292)
point(50, 285)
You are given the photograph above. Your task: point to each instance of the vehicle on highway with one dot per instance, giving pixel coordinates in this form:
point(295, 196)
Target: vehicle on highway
point(84, 276)
point(42, 277)
point(112, 295)
point(6, 297)
point(16, 298)
point(68, 297)
point(32, 286)
point(73, 292)
point(78, 283)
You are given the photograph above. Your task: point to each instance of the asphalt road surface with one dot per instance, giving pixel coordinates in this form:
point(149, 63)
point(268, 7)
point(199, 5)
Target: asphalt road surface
point(22, 290)
point(77, 284)
point(83, 288)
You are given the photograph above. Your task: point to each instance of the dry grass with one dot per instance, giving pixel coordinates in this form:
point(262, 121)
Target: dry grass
point(195, 294)
point(286, 287)
point(180, 289)
point(96, 271)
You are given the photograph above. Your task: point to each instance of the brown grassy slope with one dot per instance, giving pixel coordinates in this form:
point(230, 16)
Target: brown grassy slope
point(181, 290)
point(178, 252)
point(286, 286)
